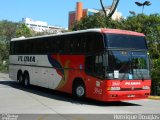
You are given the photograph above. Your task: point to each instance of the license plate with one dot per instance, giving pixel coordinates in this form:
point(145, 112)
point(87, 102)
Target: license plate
point(131, 95)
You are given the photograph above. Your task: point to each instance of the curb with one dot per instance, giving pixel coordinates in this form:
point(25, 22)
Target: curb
point(154, 97)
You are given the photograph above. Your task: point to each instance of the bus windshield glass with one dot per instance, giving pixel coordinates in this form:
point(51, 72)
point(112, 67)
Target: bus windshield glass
point(125, 41)
point(128, 65)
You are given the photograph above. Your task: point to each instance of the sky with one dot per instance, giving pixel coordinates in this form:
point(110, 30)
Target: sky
point(55, 12)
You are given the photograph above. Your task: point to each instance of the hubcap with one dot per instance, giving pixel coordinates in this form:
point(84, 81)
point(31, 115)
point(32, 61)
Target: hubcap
point(80, 91)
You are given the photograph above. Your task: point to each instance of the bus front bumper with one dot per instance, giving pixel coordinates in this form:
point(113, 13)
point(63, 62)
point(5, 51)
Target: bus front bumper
point(126, 95)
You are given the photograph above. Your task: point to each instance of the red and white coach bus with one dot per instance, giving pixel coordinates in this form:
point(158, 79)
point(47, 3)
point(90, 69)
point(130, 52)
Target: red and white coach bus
point(101, 64)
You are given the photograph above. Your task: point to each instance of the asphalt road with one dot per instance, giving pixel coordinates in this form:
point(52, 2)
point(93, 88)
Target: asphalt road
point(15, 99)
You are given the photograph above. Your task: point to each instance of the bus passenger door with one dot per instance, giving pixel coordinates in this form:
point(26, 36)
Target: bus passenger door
point(95, 74)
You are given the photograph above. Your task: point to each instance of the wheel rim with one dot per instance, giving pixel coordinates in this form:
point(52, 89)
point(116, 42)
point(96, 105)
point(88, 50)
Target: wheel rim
point(80, 91)
point(26, 82)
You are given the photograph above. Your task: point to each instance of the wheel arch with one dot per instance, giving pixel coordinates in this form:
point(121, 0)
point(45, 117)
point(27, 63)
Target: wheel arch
point(26, 72)
point(78, 80)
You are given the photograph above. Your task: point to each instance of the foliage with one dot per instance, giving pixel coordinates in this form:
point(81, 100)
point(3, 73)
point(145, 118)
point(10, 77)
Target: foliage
point(96, 21)
point(155, 75)
point(90, 22)
point(23, 30)
point(9, 30)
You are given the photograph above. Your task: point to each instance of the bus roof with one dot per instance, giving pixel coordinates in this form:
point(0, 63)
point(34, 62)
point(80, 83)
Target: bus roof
point(103, 30)
point(118, 31)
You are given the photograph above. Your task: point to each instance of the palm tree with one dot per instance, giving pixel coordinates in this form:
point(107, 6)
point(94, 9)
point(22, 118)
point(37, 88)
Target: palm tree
point(112, 10)
point(146, 3)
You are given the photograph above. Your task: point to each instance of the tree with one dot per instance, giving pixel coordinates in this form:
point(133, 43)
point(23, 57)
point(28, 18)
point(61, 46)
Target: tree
point(7, 30)
point(87, 22)
point(23, 30)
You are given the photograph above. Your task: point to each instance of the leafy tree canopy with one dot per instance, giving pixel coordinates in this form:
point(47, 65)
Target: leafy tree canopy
point(23, 30)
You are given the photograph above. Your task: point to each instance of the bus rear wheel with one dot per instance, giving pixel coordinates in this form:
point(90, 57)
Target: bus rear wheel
point(79, 90)
point(26, 80)
point(20, 78)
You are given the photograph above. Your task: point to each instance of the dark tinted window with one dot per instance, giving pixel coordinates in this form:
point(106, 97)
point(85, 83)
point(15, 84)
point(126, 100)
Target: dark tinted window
point(67, 44)
point(125, 41)
point(94, 65)
point(94, 42)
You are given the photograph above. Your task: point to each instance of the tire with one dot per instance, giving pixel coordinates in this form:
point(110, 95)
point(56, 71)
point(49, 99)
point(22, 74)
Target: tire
point(20, 78)
point(79, 90)
point(26, 81)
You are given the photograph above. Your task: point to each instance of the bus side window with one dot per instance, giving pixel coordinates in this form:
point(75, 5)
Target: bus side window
point(90, 41)
point(94, 42)
point(98, 38)
point(58, 45)
point(62, 44)
point(12, 48)
point(67, 44)
point(83, 44)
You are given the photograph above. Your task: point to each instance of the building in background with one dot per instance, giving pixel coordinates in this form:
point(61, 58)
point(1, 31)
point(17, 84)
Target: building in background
point(116, 16)
point(40, 26)
point(80, 12)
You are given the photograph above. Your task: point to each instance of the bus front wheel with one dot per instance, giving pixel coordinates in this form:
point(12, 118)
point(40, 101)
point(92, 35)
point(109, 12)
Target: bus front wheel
point(79, 90)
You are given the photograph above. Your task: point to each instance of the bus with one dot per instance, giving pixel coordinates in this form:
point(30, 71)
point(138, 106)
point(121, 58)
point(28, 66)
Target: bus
point(101, 64)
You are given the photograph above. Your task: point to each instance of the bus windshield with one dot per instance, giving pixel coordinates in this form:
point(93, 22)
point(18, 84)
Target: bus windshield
point(125, 41)
point(128, 65)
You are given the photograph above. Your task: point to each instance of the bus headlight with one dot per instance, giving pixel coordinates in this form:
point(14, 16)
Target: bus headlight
point(146, 88)
point(113, 88)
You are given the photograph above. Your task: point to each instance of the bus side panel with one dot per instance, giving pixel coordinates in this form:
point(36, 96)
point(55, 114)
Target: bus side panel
point(70, 68)
point(41, 73)
point(94, 88)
